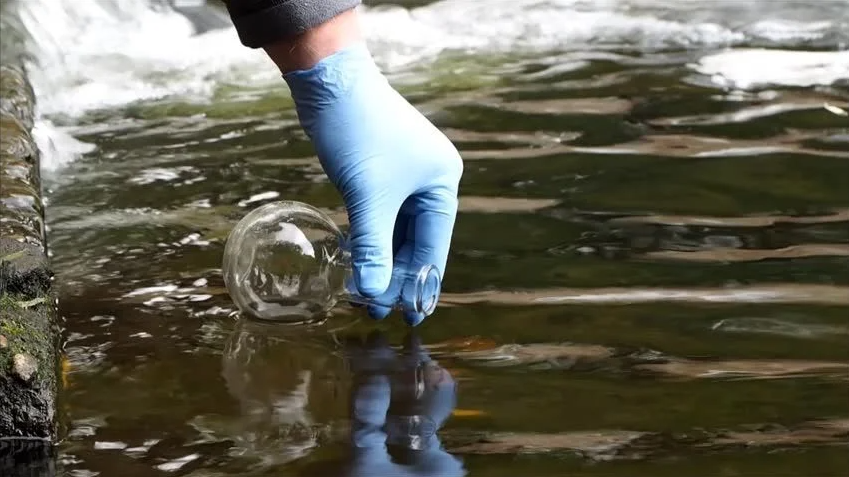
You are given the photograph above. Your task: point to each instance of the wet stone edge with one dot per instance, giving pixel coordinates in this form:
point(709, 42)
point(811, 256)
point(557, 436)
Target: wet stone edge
point(29, 325)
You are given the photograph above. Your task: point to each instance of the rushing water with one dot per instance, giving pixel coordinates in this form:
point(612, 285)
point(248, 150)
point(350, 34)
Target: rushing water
point(649, 275)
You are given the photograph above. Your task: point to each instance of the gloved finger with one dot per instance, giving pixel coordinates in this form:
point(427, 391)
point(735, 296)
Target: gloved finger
point(377, 312)
point(371, 219)
point(399, 237)
point(403, 228)
point(435, 213)
point(393, 292)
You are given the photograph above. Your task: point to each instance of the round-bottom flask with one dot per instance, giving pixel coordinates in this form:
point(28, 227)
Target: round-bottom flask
point(287, 261)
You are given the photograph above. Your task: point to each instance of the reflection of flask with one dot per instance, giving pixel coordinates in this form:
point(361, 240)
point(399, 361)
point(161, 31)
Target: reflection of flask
point(289, 385)
point(287, 261)
point(423, 395)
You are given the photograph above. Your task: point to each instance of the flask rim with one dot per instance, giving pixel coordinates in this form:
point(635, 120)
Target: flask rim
point(428, 288)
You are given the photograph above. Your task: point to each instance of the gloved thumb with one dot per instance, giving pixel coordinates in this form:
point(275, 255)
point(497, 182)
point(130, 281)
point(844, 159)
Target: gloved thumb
point(372, 222)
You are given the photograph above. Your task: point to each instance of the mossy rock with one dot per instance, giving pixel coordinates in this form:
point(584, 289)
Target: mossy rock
point(16, 95)
point(29, 335)
point(16, 139)
point(28, 367)
point(24, 270)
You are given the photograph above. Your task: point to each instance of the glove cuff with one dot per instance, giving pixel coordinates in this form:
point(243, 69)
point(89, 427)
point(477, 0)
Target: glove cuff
point(333, 76)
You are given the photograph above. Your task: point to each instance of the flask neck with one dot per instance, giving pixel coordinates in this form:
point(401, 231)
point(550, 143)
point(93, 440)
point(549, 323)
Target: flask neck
point(409, 290)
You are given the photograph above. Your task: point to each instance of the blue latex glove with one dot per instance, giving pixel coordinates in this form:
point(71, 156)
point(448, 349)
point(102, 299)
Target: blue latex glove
point(397, 173)
point(383, 393)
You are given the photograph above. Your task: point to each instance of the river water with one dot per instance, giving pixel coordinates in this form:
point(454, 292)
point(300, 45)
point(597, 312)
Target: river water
point(648, 277)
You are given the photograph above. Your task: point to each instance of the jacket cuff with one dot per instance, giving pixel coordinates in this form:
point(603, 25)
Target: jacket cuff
point(276, 20)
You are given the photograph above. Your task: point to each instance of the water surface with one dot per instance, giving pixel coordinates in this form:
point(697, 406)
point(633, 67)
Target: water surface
point(648, 275)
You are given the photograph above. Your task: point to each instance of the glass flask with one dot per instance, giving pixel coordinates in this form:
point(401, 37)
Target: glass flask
point(287, 261)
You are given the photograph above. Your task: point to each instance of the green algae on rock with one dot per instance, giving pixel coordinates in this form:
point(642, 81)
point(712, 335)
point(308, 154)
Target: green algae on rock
point(29, 343)
point(28, 367)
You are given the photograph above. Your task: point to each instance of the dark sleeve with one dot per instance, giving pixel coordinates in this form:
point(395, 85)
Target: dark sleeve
point(260, 22)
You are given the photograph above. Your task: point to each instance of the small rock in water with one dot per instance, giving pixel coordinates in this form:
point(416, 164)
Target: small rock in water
point(3, 342)
point(24, 366)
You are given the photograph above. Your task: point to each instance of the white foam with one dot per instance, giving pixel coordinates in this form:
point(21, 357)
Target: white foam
point(408, 36)
point(106, 53)
point(751, 68)
point(56, 146)
point(102, 54)
point(789, 30)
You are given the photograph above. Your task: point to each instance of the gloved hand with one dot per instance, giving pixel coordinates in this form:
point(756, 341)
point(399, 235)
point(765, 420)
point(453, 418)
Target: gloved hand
point(397, 173)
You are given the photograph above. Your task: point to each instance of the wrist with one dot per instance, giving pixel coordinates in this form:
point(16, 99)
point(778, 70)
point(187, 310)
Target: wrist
point(316, 44)
point(333, 79)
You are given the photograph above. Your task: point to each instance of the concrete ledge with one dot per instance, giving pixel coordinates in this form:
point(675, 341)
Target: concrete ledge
point(29, 332)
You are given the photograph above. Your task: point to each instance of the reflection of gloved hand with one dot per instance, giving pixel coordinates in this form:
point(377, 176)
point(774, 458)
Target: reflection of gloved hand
point(400, 400)
point(397, 173)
